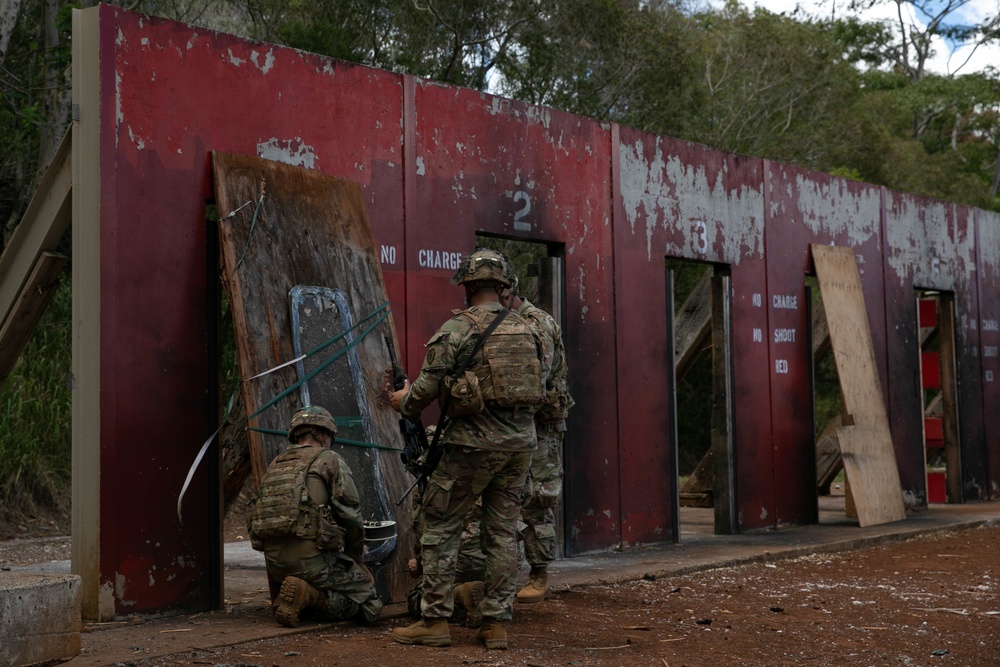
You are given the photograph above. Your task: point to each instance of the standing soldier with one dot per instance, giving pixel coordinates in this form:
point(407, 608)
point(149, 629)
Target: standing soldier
point(545, 477)
point(306, 519)
point(487, 447)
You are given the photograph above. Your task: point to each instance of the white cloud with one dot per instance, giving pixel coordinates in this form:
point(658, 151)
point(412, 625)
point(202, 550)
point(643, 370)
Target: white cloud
point(947, 59)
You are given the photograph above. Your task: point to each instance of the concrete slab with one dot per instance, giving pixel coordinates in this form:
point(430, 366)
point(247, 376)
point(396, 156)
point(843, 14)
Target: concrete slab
point(39, 618)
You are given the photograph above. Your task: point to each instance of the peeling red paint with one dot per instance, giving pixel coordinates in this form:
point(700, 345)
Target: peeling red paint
point(438, 165)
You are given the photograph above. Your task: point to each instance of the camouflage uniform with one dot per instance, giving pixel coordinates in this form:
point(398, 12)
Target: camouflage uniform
point(340, 575)
point(485, 454)
point(471, 561)
point(544, 485)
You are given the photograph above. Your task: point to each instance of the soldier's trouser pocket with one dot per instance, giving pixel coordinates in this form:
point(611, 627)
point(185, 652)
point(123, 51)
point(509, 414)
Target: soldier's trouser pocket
point(545, 494)
point(437, 497)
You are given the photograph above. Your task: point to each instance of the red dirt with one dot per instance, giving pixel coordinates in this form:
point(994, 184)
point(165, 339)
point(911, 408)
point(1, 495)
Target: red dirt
point(926, 601)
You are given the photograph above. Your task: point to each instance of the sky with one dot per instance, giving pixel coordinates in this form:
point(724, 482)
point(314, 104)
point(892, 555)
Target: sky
point(948, 59)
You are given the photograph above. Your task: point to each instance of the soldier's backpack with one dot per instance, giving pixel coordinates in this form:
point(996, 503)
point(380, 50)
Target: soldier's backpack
point(282, 507)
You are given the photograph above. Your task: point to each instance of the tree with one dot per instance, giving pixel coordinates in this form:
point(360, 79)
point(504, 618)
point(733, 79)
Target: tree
point(34, 97)
point(615, 60)
point(773, 86)
point(953, 116)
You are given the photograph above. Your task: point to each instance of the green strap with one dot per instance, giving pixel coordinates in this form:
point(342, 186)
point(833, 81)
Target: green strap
point(343, 441)
point(340, 421)
point(329, 361)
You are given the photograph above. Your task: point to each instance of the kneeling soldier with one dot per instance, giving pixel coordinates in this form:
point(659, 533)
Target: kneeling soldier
point(306, 519)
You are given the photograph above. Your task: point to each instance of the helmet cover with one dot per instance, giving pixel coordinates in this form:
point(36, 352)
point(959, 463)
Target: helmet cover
point(483, 265)
point(311, 415)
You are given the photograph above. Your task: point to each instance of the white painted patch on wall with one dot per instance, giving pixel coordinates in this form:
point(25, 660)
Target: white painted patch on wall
point(763, 514)
point(268, 63)
point(989, 239)
point(192, 41)
point(832, 208)
point(235, 59)
point(140, 143)
point(920, 233)
point(119, 117)
point(289, 151)
point(421, 167)
point(120, 591)
point(540, 115)
point(663, 192)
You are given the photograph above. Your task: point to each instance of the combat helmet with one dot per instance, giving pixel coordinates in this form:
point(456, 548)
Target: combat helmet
point(311, 415)
point(482, 266)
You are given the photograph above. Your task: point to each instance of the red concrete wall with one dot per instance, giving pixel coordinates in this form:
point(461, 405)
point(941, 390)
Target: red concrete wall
point(987, 481)
point(929, 245)
point(482, 164)
point(438, 165)
point(804, 208)
point(172, 93)
point(682, 200)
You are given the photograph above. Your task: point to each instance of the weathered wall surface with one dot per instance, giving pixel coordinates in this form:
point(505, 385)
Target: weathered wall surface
point(804, 208)
point(437, 165)
point(988, 375)
point(929, 245)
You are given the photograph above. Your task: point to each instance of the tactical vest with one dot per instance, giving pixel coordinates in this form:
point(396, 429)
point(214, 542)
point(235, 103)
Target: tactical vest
point(510, 372)
point(283, 507)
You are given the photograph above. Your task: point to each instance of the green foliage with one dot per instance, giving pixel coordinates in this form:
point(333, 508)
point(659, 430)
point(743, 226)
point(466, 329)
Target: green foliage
point(35, 420)
point(623, 62)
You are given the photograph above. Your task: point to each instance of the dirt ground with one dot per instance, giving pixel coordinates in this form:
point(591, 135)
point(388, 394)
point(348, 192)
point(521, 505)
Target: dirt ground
point(928, 601)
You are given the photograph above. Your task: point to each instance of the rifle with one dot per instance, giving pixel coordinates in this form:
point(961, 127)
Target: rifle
point(423, 470)
point(414, 436)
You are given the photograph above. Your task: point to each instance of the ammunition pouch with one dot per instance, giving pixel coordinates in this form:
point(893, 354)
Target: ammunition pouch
point(329, 535)
point(463, 394)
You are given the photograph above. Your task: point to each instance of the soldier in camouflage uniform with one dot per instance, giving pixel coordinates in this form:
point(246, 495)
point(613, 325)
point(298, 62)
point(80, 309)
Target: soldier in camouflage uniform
point(306, 519)
point(486, 453)
point(545, 477)
point(470, 566)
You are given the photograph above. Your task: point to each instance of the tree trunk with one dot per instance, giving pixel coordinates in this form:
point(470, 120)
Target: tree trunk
point(9, 10)
point(57, 97)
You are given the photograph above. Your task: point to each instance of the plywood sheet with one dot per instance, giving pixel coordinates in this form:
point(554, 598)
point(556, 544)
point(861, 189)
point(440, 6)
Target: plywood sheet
point(283, 227)
point(865, 441)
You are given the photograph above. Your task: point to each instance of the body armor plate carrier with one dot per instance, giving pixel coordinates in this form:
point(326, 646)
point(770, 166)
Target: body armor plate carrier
point(283, 507)
point(510, 373)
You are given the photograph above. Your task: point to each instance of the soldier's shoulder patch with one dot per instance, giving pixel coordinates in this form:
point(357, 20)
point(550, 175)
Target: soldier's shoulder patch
point(437, 337)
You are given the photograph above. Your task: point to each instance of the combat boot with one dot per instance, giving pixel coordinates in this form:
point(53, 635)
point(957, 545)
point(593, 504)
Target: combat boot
point(537, 588)
point(428, 632)
point(295, 595)
point(468, 596)
point(492, 633)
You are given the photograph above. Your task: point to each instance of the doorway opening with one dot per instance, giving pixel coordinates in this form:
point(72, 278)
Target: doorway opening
point(699, 323)
point(828, 408)
point(939, 395)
